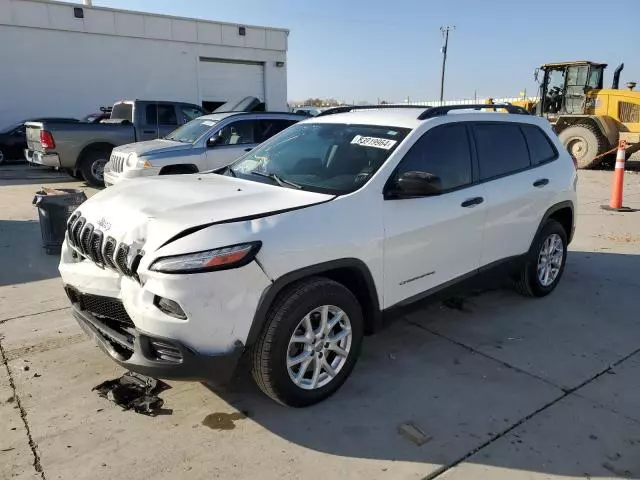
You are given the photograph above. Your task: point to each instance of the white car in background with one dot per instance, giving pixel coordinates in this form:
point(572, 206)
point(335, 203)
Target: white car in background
point(205, 143)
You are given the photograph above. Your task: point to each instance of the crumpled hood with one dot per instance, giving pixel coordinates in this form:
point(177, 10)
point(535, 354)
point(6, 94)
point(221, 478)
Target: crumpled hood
point(159, 145)
point(148, 212)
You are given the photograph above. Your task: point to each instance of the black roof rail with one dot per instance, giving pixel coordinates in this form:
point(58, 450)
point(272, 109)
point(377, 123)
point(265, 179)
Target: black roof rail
point(437, 111)
point(349, 108)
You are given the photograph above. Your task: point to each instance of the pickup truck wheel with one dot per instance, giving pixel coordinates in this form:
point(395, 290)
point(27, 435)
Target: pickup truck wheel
point(310, 343)
point(92, 167)
point(2, 159)
point(545, 261)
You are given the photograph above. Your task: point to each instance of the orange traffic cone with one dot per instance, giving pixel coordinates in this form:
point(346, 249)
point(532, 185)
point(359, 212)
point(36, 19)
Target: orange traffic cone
point(615, 203)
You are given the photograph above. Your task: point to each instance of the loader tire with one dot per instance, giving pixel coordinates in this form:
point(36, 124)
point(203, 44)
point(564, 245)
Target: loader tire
point(584, 142)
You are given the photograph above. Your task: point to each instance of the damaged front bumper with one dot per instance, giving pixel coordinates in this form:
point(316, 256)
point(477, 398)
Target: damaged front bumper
point(154, 356)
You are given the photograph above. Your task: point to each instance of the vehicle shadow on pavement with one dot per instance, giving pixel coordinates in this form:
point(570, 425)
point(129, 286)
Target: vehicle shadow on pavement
point(22, 258)
point(490, 384)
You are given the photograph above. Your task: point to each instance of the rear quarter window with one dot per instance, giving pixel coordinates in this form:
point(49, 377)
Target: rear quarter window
point(540, 147)
point(501, 148)
point(122, 111)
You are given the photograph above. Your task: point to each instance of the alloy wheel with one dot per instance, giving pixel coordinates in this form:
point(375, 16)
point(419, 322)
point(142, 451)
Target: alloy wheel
point(550, 259)
point(319, 347)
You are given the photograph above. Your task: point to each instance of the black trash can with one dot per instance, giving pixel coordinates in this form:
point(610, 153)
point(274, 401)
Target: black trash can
point(55, 206)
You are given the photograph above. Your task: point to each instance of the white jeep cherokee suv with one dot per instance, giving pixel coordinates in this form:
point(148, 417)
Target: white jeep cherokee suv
point(300, 247)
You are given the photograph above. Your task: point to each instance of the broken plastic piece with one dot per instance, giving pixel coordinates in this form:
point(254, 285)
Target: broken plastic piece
point(133, 391)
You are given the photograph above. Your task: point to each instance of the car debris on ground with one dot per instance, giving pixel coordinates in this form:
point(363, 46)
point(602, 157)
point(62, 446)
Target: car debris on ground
point(136, 392)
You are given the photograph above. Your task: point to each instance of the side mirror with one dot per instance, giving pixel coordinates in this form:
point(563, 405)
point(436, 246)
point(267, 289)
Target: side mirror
point(213, 141)
point(417, 184)
point(535, 74)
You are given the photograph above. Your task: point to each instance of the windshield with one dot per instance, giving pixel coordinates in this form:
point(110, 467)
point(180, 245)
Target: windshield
point(192, 131)
point(322, 157)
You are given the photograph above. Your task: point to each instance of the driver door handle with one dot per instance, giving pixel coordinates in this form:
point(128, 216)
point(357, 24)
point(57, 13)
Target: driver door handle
point(248, 149)
point(472, 202)
point(541, 182)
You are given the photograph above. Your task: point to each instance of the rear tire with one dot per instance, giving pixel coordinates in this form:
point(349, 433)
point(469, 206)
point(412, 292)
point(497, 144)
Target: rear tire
point(299, 313)
point(92, 167)
point(584, 142)
point(3, 158)
point(545, 262)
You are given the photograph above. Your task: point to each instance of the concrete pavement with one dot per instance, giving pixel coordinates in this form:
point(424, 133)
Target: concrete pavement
point(505, 387)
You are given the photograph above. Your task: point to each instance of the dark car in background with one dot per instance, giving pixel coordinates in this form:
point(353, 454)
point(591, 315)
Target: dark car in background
point(13, 138)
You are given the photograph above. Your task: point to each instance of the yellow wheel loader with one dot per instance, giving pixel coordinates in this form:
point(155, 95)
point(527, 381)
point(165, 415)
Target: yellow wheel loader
point(589, 119)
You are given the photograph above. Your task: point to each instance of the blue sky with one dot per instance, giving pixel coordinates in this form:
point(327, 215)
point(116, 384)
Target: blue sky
point(369, 49)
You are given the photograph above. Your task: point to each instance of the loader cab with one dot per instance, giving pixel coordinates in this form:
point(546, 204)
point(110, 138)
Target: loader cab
point(564, 87)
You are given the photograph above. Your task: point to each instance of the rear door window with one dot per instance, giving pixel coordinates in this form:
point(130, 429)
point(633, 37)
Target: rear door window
point(442, 151)
point(540, 147)
point(122, 111)
point(161, 114)
point(501, 149)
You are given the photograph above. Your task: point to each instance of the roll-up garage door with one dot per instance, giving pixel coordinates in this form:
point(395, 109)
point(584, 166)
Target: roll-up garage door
point(223, 80)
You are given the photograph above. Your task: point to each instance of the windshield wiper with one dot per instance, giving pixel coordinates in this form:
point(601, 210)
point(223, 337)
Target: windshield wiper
point(280, 181)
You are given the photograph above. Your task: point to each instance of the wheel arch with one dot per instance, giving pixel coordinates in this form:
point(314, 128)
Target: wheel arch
point(93, 147)
point(353, 273)
point(177, 168)
point(563, 212)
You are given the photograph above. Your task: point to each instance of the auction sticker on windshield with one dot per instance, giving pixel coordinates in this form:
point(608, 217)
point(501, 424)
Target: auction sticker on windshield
point(375, 142)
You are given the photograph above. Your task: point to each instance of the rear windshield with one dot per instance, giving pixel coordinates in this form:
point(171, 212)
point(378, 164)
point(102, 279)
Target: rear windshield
point(122, 111)
point(322, 157)
point(192, 131)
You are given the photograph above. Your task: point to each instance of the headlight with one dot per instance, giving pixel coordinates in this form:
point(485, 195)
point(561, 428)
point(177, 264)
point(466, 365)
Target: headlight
point(132, 158)
point(141, 163)
point(223, 258)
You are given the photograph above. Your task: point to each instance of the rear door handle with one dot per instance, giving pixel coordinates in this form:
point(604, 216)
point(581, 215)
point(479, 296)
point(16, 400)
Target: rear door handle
point(472, 202)
point(248, 149)
point(148, 131)
point(541, 182)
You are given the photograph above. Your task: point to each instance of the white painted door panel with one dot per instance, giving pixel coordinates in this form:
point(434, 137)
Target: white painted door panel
point(514, 210)
point(430, 241)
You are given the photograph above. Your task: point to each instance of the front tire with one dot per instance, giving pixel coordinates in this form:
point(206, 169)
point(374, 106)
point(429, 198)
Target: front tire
point(310, 343)
point(545, 262)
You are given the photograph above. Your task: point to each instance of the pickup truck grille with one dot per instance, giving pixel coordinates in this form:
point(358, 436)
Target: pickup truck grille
point(103, 251)
point(117, 162)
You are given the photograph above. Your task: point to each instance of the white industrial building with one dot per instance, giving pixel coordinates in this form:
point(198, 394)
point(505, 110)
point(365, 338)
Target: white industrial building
point(65, 59)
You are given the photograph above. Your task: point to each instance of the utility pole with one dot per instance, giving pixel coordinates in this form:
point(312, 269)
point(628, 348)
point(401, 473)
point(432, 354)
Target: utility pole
point(445, 34)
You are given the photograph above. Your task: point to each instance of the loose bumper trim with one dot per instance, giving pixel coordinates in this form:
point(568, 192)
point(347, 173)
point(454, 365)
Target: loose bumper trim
point(45, 159)
point(155, 356)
